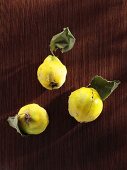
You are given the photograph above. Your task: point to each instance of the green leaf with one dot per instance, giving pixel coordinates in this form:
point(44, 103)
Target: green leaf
point(13, 122)
point(103, 86)
point(63, 41)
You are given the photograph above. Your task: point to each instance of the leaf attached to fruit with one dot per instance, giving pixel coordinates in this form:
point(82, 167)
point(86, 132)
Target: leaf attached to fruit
point(63, 41)
point(13, 122)
point(103, 86)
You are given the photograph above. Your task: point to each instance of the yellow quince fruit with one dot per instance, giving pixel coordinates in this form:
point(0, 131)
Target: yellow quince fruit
point(52, 73)
point(32, 119)
point(85, 104)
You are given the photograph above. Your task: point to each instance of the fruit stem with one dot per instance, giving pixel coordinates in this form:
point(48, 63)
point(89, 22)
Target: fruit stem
point(52, 53)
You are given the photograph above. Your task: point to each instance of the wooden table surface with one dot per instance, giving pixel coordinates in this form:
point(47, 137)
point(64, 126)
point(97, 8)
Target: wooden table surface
point(100, 28)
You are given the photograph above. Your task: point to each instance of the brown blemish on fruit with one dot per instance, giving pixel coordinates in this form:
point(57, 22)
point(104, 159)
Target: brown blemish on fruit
point(92, 100)
point(53, 84)
point(27, 118)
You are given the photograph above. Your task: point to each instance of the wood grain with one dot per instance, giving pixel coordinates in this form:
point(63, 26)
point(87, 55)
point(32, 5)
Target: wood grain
point(100, 28)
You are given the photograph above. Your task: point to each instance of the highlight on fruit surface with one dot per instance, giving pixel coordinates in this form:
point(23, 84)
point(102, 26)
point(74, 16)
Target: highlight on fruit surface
point(86, 104)
point(52, 73)
point(31, 119)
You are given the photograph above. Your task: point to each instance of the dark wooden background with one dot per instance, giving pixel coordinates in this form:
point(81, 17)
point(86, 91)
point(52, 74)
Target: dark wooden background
point(100, 28)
